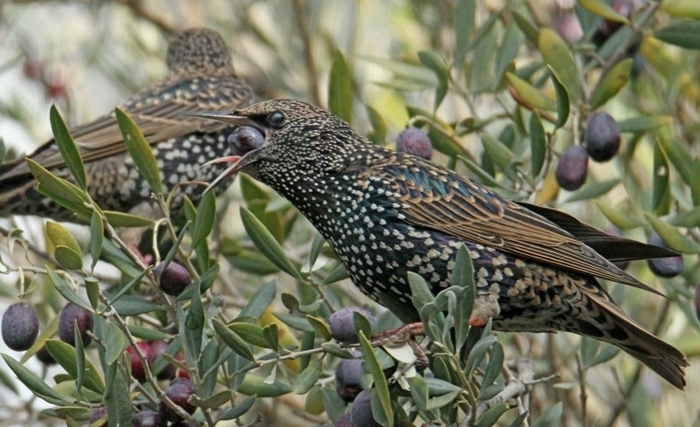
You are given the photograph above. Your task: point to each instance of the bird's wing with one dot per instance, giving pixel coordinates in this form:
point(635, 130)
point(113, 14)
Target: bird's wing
point(613, 248)
point(440, 199)
point(160, 111)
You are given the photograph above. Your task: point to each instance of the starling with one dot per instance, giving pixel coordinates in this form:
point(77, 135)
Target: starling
point(386, 213)
point(200, 76)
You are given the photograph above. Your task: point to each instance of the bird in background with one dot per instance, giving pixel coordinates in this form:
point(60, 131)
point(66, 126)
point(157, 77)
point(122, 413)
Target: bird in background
point(386, 213)
point(200, 76)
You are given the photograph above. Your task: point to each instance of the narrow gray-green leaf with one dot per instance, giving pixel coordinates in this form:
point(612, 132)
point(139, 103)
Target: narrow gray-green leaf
point(254, 385)
point(59, 190)
point(381, 386)
point(538, 144)
point(119, 410)
point(204, 222)
point(673, 238)
point(490, 417)
point(79, 358)
point(117, 343)
point(433, 61)
point(252, 334)
point(316, 246)
point(563, 106)
point(121, 219)
point(420, 292)
point(140, 151)
point(494, 366)
point(66, 145)
point(464, 25)
point(463, 278)
point(66, 356)
point(307, 378)
point(65, 290)
point(34, 383)
point(682, 33)
point(614, 80)
point(508, 50)
point(551, 417)
point(591, 191)
point(497, 151)
point(96, 238)
point(232, 340)
point(340, 88)
point(266, 243)
point(560, 60)
point(261, 299)
point(477, 353)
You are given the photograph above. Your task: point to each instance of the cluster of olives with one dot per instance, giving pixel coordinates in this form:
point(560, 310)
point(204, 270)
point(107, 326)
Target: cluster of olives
point(20, 327)
point(601, 143)
point(348, 372)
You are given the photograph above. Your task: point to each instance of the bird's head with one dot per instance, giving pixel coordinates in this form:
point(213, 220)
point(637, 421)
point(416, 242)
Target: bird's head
point(199, 50)
point(299, 140)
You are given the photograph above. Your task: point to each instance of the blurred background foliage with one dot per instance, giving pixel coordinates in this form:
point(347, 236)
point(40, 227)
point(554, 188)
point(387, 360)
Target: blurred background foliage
point(502, 88)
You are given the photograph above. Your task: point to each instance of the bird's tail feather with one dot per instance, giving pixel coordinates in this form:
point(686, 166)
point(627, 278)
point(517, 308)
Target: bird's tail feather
point(610, 324)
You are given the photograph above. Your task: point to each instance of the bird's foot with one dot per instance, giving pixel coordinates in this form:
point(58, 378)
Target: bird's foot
point(404, 334)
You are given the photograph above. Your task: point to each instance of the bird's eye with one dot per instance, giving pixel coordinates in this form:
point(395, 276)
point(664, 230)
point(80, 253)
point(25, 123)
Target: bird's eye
point(275, 118)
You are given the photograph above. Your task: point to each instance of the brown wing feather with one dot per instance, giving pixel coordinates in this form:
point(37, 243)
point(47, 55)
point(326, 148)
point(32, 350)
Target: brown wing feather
point(453, 204)
point(160, 119)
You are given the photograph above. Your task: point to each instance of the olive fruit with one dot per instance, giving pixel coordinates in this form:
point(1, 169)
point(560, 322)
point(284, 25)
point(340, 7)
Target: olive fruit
point(138, 371)
point(179, 391)
point(664, 267)
point(348, 375)
point(20, 326)
point(245, 139)
point(98, 414)
point(174, 278)
point(71, 315)
point(44, 356)
point(344, 421)
point(361, 412)
point(414, 141)
point(342, 324)
point(602, 137)
point(572, 169)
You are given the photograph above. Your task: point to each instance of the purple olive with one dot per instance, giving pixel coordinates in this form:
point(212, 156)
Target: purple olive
point(664, 267)
point(174, 278)
point(361, 412)
point(414, 141)
point(97, 415)
point(344, 421)
point(179, 391)
point(72, 314)
point(343, 325)
point(602, 137)
point(244, 139)
point(45, 357)
point(572, 168)
point(348, 376)
point(20, 326)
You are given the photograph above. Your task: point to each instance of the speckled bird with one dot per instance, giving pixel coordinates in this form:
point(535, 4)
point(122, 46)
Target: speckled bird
point(386, 213)
point(200, 76)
